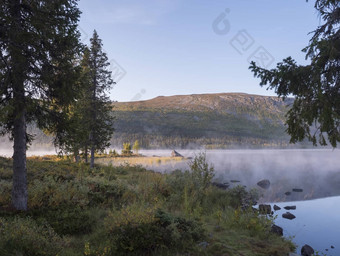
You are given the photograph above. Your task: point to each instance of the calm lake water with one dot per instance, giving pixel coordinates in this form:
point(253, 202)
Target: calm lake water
point(317, 223)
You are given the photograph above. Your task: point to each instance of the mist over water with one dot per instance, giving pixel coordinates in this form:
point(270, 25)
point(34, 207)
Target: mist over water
point(316, 171)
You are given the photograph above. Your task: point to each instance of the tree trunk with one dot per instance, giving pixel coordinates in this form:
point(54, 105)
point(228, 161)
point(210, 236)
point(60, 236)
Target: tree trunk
point(19, 190)
point(92, 156)
point(76, 156)
point(86, 155)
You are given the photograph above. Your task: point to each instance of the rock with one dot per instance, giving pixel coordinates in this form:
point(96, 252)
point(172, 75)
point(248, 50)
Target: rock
point(332, 246)
point(277, 230)
point(293, 254)
point(234, 181)
point(297, 190)
point(293, 207)
point(221, 185)
point(288, 193)
point(307, 250)
point(276, 208)
point(174, 153)
point(265, 208)
point(288, 215)
point(265, 184)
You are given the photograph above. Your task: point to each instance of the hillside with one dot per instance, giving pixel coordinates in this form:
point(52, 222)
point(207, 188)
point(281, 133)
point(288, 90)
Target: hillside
point(223, 120)
point(212, 120)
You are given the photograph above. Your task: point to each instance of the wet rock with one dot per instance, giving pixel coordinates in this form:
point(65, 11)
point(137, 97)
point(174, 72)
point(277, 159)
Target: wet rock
point(297, 190)
point(288, 193)
point(276, 208)
point(221, 185)
point(293, 207)
point(277, 230)
point(234, 181)
point(332, 246)
point(288, 215)
point(265, 208)
point(307, 250)
point(265, 184)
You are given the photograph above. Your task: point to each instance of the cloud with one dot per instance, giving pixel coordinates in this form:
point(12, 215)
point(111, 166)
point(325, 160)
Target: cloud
point(127, 11)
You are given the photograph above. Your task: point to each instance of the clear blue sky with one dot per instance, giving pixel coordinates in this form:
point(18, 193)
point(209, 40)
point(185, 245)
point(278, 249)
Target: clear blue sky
point(169, 47)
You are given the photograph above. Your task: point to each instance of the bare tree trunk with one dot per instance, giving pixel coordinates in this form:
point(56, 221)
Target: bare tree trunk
point(92, 156)
point(86, 155)
point(19, 190)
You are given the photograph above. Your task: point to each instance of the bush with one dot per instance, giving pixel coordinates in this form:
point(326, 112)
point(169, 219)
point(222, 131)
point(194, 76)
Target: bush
point(22, 236)
point(66, 220)
point(140, 230)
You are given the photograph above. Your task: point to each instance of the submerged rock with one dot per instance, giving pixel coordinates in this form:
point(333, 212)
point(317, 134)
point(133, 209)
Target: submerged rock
point(288, 215)
point(293, 207)
point(265, 184)
point(307, 250)
point(332, 246)
point(288, 193)
point(276, 208)
point(265, 208)
point(234, 181)
point(297, 190)
point(277, 230)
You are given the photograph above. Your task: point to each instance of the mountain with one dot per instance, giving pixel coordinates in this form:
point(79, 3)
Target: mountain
point(219, 120)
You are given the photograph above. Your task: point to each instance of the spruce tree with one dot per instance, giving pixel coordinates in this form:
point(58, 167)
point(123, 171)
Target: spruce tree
point(100, 106)
point(315, 114)
point(38, 43)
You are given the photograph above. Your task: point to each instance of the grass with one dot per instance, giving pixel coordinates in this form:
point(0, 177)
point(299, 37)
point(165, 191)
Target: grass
point(138, 160)
point(129, 210)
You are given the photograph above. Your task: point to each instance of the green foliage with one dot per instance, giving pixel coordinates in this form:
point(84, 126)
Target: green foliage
point(39, 42)
point(315, 112)
point(201, 172)
point(128, 210)
point(136, 147)
point(126, 149)
point(140, 231)
point(23, 236)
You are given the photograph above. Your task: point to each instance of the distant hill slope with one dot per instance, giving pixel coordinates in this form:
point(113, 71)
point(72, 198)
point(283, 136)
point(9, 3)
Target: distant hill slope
point(223, 120)
point(212, 120)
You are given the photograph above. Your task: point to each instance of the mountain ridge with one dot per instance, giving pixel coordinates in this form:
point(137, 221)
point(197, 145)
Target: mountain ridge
point(207, 116)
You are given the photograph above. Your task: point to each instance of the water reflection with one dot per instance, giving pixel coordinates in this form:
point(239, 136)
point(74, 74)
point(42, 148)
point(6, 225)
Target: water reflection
point(317, 223)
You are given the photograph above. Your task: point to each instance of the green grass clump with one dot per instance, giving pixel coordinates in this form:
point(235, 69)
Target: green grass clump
point(128, 210)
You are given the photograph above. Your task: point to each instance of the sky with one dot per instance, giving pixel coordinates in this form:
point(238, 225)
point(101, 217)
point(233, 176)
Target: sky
point(176, 47)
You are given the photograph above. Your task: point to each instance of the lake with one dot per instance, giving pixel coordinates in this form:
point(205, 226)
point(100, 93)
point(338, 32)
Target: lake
point(317, 223)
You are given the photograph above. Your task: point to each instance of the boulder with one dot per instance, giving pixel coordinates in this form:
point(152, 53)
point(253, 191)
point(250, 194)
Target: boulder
point(276, 208)
point(307, 250)
point(297, 190)
point(288, 215)
point(174, 153)
point(332, 246)
point(265, 184)
point(293, 207)
point(265, 208)
point(277, 230)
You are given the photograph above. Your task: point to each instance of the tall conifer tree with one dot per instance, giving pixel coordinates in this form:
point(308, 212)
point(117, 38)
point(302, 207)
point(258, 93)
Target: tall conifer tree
point(38, 43)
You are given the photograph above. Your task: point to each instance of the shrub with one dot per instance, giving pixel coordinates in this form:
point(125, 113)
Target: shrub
point(22, 236)
point(138, 230)
point(66, 220)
